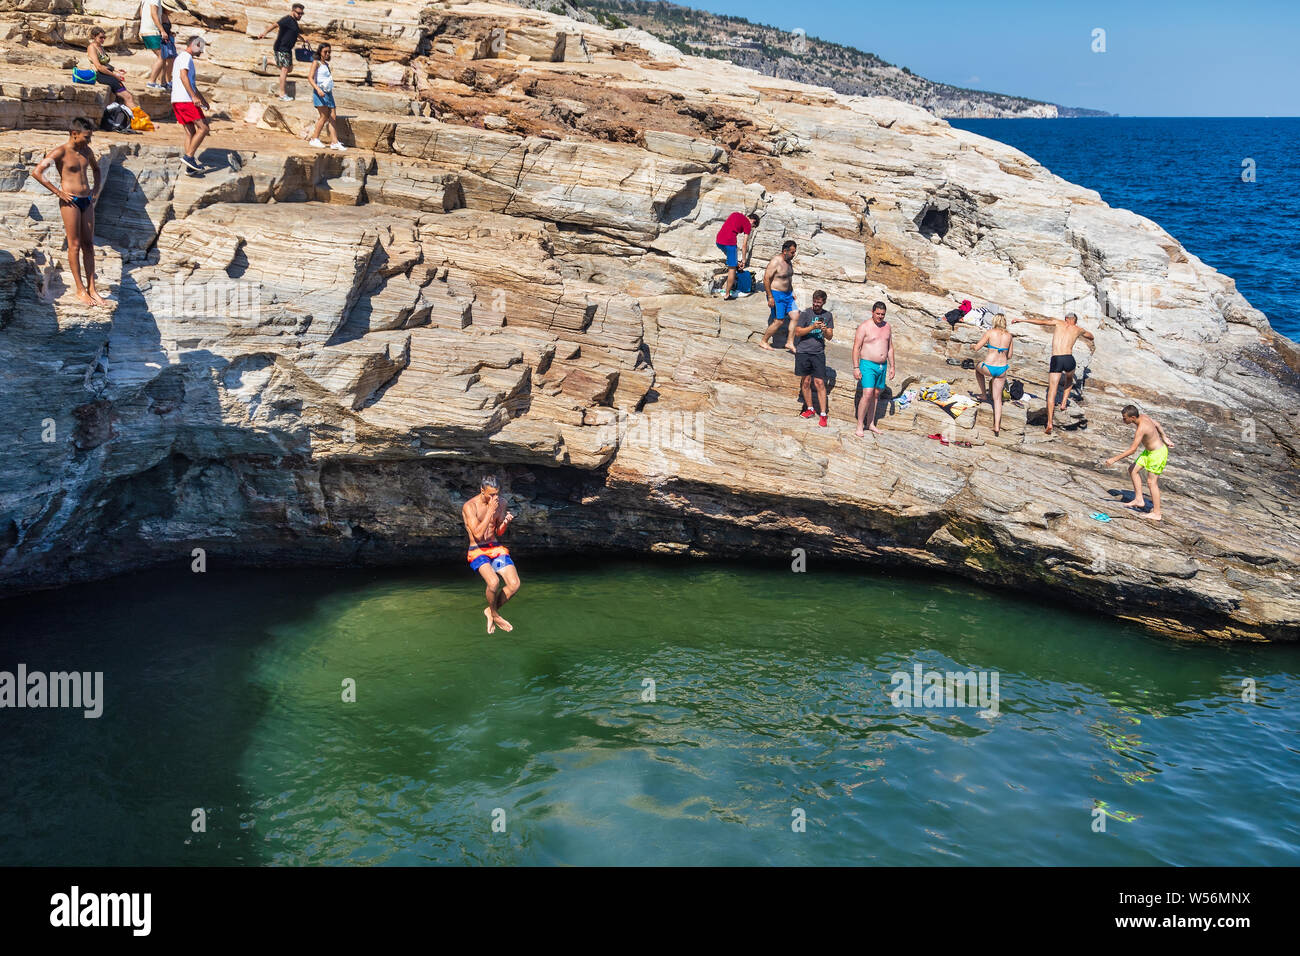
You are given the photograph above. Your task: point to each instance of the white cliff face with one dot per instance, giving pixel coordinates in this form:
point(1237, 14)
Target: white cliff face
point(310, 355)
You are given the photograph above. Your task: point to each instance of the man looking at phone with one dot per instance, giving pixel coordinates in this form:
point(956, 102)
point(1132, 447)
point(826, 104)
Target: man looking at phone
point(486, 519)
point(811, 330)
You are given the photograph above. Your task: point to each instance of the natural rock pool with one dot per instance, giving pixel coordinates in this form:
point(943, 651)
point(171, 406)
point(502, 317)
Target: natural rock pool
point(771, 706)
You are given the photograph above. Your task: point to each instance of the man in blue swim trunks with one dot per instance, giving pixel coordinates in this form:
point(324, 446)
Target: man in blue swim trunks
point(778, 283)
point(75, 163)
point(486, 519)
point(873, 363)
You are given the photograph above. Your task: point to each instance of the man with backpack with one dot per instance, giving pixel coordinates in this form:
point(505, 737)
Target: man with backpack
point(734, 225)
point(285, 40)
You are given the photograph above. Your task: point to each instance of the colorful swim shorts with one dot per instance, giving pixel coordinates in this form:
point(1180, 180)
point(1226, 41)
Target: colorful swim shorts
point(498, 554)
point(1153, 460)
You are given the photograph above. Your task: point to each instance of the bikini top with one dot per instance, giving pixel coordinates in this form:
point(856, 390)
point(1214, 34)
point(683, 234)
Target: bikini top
point(104, 59)
point(997, 348)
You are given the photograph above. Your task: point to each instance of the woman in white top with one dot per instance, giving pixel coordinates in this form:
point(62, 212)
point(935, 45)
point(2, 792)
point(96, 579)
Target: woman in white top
point(322, 97)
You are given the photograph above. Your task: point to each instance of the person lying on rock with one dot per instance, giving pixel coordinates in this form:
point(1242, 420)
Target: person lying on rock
point(778, 283)
point(286, 38)
point(735, 224)
point(1064, 335)
point(102, 64)
point(873, 362)
point(77, 200)
point(486, 519)
point(811, 329)
point(1148, 435)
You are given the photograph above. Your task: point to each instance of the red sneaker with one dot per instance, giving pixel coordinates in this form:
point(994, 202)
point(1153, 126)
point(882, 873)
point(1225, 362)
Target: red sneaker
point(822, 421)
point(807, 413)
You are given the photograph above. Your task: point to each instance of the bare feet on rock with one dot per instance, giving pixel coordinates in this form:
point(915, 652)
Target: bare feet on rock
point(874, 430)
point(85, 298)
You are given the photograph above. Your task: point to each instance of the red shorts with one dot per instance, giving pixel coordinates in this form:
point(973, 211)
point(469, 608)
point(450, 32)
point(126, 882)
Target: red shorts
point(187, 113)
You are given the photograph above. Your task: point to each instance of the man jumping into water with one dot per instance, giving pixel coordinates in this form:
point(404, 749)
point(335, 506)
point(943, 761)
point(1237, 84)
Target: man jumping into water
point(1148, 434)
point(486, 519)
point(76, 202)
point(1064, 335)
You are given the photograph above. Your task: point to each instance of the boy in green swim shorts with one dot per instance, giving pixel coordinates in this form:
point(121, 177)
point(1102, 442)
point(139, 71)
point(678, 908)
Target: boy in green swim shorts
point(1155, 445)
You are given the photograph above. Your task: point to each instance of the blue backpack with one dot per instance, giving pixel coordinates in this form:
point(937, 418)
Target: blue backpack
point(744, 282)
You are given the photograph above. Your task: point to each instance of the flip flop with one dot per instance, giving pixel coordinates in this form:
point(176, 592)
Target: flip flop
point(1099, 516)
point(939, 438)
point(963, 444)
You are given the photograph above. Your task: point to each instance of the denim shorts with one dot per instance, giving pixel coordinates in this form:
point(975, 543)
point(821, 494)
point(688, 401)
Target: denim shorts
point(326, 100)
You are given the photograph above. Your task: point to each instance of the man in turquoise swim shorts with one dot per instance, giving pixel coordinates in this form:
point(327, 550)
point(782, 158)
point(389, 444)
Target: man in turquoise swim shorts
point(873, 363)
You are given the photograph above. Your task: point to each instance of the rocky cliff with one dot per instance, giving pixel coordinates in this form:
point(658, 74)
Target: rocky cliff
point(310, 355)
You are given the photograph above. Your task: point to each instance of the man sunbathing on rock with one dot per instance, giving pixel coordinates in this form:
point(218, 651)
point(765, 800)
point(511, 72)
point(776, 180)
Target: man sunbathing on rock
point(486, 519)
point(76, 202)
point(1148, 435)
point(1064, 335)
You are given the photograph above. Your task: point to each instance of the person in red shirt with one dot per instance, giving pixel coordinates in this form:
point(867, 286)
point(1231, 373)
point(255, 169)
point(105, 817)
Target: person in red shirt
point(731, 229)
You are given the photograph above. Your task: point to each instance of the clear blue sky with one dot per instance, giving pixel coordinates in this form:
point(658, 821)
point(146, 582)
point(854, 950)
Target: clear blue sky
point(1195, 58)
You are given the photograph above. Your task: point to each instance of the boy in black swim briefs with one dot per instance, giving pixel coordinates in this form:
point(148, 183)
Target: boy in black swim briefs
point(75, 161)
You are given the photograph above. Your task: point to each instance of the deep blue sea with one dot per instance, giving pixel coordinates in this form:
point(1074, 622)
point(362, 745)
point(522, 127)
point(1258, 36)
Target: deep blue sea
point(1186, 174)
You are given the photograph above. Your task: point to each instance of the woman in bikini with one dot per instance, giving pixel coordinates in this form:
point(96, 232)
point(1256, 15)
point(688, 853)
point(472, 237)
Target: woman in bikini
point(997, 360)
point(102, 64)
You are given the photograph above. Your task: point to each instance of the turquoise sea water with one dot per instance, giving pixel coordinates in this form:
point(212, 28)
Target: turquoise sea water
point(1186, 174)
point(223, 692)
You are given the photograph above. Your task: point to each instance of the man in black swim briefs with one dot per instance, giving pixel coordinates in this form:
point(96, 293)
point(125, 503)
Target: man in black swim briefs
point(1060, 373)
point(75, 163)
point(486, 519)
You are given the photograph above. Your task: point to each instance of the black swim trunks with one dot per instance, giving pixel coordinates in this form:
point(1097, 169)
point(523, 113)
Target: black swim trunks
point(810, 363)
point(1061, 363)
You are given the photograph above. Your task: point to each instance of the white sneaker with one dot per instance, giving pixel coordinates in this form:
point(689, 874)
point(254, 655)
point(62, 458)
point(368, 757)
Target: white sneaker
point(339, 146)
point(317, 143)
point(286, 99)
